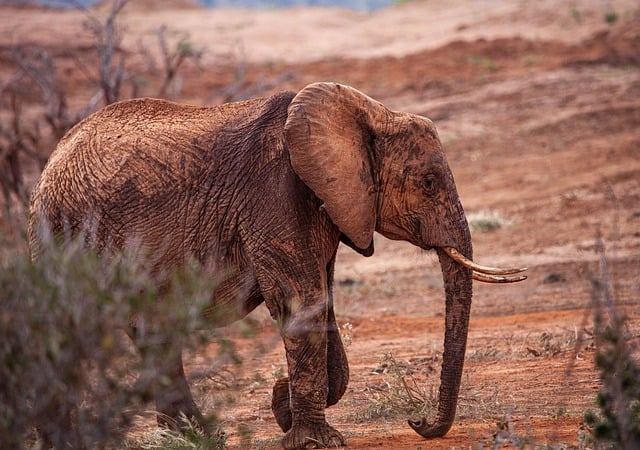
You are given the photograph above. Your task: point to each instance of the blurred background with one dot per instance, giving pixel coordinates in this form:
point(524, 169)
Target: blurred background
point(538, 106)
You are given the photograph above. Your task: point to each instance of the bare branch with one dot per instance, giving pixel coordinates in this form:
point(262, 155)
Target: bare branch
point(36, 107)
point(111, 67)
point(172, 59)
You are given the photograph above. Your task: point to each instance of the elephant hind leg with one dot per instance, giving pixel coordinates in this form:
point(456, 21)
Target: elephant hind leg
point(164, 379)
point(175, 406)
point(338, 377)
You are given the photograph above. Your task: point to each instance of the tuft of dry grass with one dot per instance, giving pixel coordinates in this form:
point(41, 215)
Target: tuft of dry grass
point(161, 438)
point(486, 221)
point(402, 389)
point(546, 344)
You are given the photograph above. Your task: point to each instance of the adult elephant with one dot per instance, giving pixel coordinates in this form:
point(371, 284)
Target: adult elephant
point(266, 190)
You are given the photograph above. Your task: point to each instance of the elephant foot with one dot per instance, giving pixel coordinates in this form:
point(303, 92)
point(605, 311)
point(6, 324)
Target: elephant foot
point(280, 404)
point(317, 435)
point(180, 414)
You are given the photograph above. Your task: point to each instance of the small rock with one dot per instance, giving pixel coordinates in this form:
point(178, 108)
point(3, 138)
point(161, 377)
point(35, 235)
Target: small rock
point(554, 278)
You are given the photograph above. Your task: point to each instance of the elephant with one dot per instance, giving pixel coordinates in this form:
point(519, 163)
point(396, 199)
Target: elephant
point(266, 189)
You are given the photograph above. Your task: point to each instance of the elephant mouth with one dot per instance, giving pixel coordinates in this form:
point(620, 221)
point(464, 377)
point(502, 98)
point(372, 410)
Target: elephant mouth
point(486, 274)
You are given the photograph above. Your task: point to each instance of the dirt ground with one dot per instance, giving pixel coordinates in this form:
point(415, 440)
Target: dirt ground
point(538, 106)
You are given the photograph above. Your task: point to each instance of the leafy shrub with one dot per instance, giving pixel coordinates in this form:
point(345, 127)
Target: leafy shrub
point(65, 362)
point(610, 17)
point(617, 423)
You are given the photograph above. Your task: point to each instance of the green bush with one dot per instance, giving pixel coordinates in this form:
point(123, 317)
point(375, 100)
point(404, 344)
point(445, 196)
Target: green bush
point(66, 364)
point(610, 17)
point(616, 424)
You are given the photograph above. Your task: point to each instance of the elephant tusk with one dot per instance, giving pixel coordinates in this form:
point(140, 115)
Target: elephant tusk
point(485, 278)
point(466, 262)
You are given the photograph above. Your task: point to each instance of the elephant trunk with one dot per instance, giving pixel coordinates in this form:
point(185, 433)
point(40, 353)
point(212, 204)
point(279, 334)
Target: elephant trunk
point(458, 292)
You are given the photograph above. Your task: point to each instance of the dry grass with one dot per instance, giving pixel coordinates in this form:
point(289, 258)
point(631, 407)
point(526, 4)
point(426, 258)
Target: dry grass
point(402, 389)
point(485, 221)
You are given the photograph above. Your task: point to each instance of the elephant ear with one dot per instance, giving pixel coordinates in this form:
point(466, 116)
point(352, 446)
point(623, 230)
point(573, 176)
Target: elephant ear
point(329, 132)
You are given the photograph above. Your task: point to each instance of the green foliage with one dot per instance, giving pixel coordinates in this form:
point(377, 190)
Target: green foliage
point(618, 418)
point(66, 364)
point(484, 62)
point(576, 14)
point(610, 17)
point(185, 48)
point(616, 424)
point(400, 2)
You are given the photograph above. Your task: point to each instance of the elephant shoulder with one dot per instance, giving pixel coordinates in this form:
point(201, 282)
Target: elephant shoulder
point(270, 113)
point(263, 110)
point(279, 101)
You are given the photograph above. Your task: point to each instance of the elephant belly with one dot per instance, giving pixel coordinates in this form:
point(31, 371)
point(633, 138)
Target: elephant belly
point(235, 296)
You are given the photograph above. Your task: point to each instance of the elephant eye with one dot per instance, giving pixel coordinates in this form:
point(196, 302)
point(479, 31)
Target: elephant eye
point(429, 183)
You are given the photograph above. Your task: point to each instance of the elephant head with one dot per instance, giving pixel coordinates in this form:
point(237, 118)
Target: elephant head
point(384, 171)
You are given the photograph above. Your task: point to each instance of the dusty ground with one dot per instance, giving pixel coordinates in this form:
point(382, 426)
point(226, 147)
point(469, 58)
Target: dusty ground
point(538, 105)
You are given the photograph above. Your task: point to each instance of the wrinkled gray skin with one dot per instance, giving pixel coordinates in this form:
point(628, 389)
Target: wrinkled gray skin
point(266, 190)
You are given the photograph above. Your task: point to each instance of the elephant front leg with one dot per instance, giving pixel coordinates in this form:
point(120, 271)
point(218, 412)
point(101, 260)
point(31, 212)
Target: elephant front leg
point(337, 371)
point(305, 340)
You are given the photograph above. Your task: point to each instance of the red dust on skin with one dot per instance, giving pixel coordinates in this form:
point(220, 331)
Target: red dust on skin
point(548, 138)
